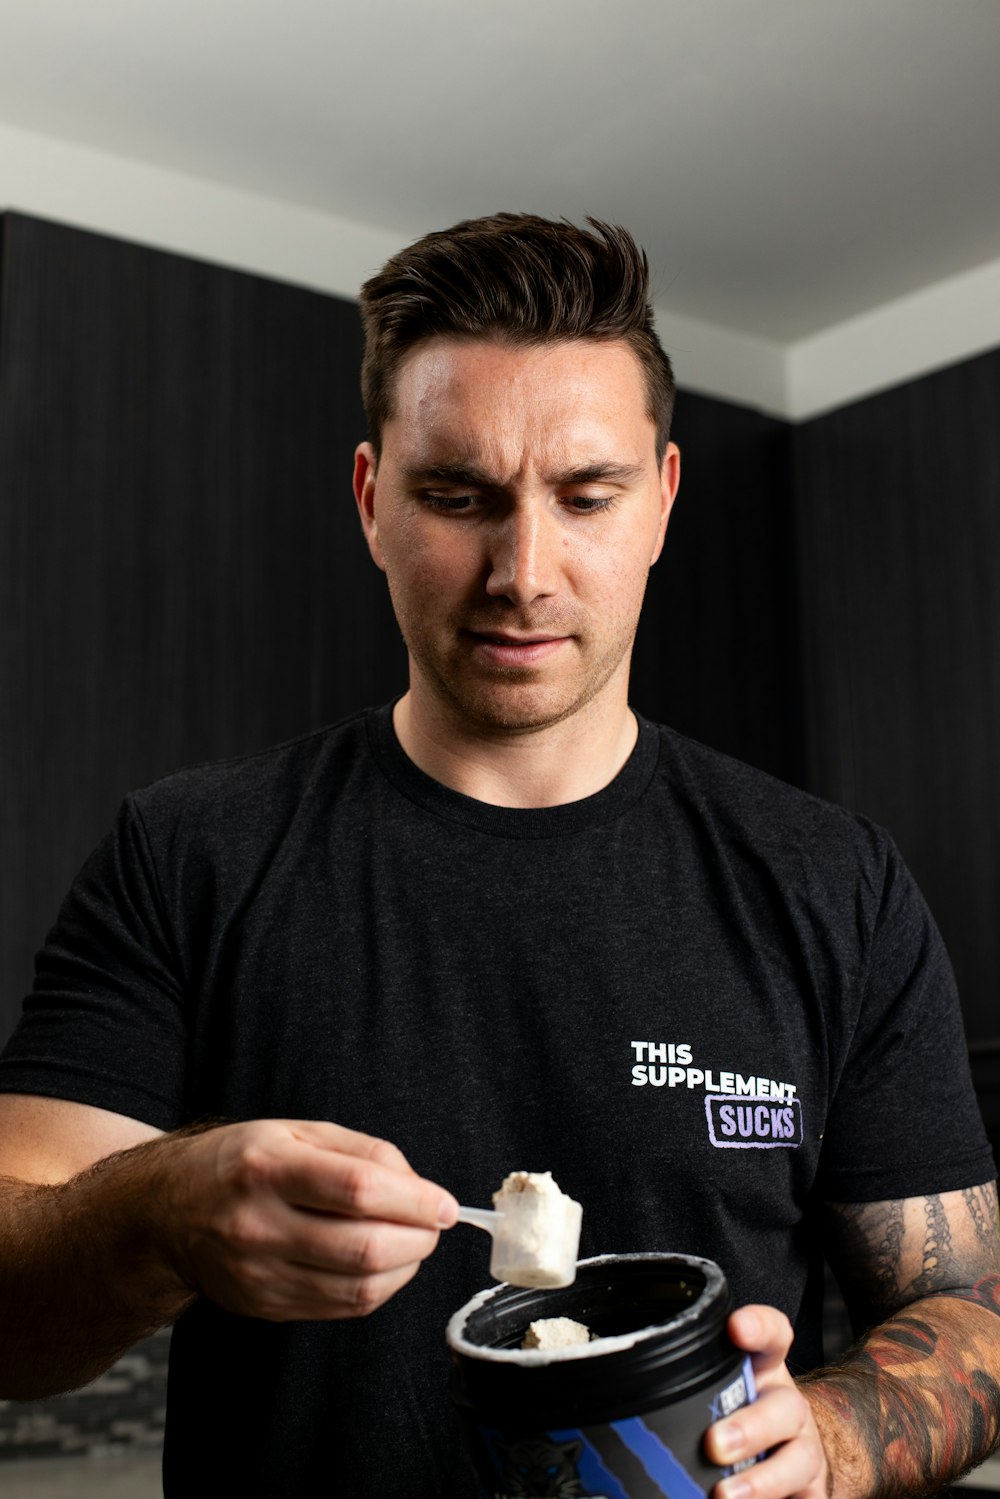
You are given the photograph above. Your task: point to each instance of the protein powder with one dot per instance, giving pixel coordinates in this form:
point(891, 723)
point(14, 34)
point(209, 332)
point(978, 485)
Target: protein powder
point(555, 1332)
point(537, 1235)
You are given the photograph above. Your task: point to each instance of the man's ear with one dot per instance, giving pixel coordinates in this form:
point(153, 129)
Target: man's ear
point(670, 478)
point(364, 493)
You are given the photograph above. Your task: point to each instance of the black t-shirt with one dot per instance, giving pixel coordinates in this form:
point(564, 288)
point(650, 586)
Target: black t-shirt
point(704, 1000)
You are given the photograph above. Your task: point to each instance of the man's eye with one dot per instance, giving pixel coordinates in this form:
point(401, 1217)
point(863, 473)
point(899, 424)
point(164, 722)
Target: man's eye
point(450, 502)
point(587, 503)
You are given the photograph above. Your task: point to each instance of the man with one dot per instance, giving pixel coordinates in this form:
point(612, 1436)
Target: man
point(502, 924)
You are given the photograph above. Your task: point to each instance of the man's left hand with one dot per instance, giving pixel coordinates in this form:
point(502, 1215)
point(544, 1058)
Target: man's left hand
point(779, 1423)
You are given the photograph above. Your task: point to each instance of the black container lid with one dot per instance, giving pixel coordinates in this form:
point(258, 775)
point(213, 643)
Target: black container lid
point(659, 1322)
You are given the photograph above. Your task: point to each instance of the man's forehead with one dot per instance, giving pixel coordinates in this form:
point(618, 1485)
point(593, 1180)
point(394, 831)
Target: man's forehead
point(442, 362)
point(465, 400)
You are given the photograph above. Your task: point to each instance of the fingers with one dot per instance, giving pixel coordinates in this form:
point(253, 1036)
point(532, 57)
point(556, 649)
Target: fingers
point(765, 1333)
point(334, 1297)
point(329, 1243)
point(328, 1169)
point(285, 1220)
point(275, 1261)
point(795, 1468)
point(280, 1290)
point(326, 1136)
point(779, 1428)
point(777, 1416)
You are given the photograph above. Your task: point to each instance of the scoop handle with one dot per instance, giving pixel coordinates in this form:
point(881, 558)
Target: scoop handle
point(480, 1218)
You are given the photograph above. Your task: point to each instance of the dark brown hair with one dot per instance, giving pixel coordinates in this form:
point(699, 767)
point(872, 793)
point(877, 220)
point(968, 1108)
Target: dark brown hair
point(518, 279)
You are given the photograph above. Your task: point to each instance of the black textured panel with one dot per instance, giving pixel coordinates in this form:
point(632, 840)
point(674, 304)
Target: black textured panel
point(899, 503)
point(717, 654)
point(182, 573)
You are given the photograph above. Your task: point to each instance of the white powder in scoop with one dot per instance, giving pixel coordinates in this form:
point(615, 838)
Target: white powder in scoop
point(537, 1203)
point(537, 1239)
point(555, 1332)
point(527, 1181)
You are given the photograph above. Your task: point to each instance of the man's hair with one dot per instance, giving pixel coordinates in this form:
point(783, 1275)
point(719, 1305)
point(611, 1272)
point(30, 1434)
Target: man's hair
point(519, 280)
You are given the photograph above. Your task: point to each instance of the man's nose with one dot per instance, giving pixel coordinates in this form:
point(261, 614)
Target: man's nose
point(524, 555)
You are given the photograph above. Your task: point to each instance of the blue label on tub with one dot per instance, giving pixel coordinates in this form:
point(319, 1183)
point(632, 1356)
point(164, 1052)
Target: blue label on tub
point(657, 1455)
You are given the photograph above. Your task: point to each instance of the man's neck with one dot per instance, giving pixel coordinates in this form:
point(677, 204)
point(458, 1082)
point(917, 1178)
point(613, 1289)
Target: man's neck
point(547, 767)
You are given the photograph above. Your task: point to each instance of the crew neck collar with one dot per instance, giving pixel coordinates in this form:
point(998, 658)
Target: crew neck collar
point(512, 822)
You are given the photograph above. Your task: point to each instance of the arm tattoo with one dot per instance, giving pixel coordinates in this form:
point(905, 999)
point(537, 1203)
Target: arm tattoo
point(938, 1259)
point(916, 1402)
point(985, 1293)
point(888, 1254)
point(870, 1236)
point(921, 1395)
point(982, 1205)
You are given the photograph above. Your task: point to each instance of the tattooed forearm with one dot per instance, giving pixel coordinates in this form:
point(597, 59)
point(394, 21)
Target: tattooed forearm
point(918, 1402)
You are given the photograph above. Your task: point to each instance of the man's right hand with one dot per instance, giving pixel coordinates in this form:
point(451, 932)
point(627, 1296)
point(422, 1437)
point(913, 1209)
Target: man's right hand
point(109, 1229)
point(288, 1220)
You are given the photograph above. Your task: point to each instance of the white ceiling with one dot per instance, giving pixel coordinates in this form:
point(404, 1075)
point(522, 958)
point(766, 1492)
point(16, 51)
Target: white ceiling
point(787, 163)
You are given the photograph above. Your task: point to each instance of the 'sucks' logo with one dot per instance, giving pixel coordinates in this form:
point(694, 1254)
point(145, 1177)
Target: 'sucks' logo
point(752, 1123)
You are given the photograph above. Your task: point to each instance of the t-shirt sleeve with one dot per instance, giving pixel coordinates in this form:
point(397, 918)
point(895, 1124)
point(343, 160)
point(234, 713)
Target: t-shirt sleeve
point(903, 1118)
point(105, 1022)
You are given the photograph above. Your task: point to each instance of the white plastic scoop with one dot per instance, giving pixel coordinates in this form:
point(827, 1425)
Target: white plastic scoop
point(535, 1228)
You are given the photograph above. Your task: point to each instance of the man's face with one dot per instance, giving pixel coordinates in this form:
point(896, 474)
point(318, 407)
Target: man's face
point(516, 509)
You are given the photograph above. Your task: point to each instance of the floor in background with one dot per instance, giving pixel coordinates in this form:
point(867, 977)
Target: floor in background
point(123, 1409)
point(121, 1476)
point(137, 1476)
point(985, 1478)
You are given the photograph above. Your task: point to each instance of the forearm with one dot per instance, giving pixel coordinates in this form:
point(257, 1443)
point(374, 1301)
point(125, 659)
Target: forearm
point(289, 1220)
point(916, 1402)
point(83, 1272)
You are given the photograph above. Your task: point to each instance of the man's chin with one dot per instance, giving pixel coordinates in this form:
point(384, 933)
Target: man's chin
point(513, 707)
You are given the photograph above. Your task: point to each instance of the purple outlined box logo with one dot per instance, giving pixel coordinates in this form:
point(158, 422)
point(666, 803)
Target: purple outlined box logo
point(752, 1123)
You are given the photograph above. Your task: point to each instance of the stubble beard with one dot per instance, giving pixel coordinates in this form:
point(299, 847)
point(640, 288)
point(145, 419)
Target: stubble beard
point(510, 700)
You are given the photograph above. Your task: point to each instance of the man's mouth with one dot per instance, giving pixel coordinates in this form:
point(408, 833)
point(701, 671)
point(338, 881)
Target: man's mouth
point(510, 648)
point(504, 637)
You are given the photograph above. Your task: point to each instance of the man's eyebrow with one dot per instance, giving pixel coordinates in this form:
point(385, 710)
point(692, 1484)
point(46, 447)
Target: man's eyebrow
point(450, 473)
point(470, 475)
point(600, 473)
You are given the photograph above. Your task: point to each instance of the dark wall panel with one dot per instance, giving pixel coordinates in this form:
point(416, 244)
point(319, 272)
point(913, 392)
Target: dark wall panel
point(898, 500)
point(182, 574)
point(717, 655)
